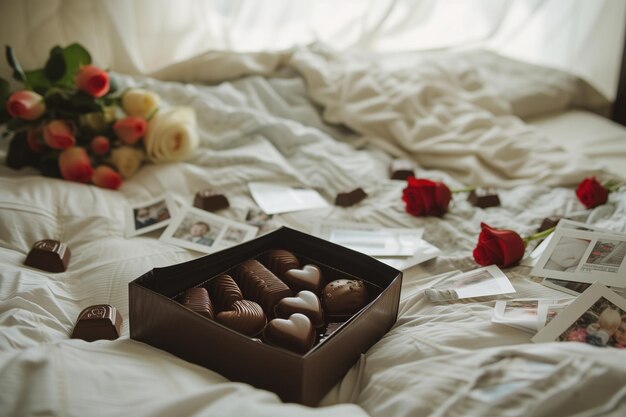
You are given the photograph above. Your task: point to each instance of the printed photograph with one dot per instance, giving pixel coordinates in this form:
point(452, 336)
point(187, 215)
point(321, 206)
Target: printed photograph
point(567, 254)
point(234, 235)
point(197, 229)
point(256, 217)
point(472, 279)
point(604, 324)
point(608, 254)
point(149, 215)
point(521, 309)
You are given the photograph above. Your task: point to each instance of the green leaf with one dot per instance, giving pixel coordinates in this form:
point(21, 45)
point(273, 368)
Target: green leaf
point(55, 67)
point(76, 55)
point(73, 56)
point(19, 154)
point(5, 89)
point(38, 81)
point(5, 93)
point(18, 72)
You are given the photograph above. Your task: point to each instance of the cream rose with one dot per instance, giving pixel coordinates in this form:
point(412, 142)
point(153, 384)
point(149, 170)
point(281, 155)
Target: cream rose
point(172, 135)
point(139, 102)
point(127, 160)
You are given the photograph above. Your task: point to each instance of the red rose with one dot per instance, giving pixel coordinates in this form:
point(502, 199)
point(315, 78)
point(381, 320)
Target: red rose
point(58, 134)
point(26, 105)
point(130, 129)
point(591, 193)
point(426, 198)
point(498, 247)
point(92, 80)
point(106, 177)
point(100, 145)
point(75, 165)
point(35, 140)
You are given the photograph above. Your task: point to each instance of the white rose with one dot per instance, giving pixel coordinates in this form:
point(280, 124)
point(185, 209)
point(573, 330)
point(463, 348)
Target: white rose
point(127, 160)
point(139, 102)
point(172, 135)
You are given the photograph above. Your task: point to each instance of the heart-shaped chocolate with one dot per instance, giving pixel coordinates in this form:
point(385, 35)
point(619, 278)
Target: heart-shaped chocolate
point(246, 317)
point(308, 278)
point(295, 333)
point(304, 302)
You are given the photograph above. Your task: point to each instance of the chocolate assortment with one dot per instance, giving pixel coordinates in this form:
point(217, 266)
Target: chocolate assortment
point(101, 321)
point(210, 199)
point(483, 198)
point(278, 301)
point(49, 255)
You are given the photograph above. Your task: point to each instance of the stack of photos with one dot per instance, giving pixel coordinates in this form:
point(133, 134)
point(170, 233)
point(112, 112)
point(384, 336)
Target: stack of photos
point(584, 256)
point(597, 317)
point(481, 282)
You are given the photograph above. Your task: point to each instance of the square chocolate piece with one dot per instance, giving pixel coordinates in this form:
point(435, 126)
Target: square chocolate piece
point(101, 321)
point(548, 223)
point(210, 199)
point(483, 198)
point(49, 255)
point(401, 169)
point(350, 198)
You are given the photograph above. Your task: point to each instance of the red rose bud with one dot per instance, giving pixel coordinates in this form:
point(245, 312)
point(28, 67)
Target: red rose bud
point(498, 247)
point(591, 193)
point(130, 129)
point(26, 105)
point(100, 145)
point(75, 165)
point(106, 177)
point(35, 141)
point(92, 80)
point(426, 198)
point(58, 134)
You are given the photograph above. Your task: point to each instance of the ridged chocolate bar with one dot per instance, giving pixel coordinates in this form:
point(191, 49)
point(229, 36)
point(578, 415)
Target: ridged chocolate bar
point(246, 317)
point(224, 292)
point(197, 299)
point(280, 261)
point(259, 284)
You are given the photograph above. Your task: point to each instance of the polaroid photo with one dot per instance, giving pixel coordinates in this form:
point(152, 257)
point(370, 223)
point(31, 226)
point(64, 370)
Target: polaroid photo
point(527, 314)
point(597, 317)
point(149, 215)
point(582, 256)
point(572, 287)
point(533, 257)
point(203, 231)
point(273, 198)
point(481, 282)
point(258, 218)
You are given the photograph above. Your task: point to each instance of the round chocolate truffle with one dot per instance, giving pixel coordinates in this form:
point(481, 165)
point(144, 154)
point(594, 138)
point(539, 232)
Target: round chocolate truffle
point(344, 297)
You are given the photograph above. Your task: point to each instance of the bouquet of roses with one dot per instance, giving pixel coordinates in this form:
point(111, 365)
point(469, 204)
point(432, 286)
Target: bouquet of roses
point(69, 121)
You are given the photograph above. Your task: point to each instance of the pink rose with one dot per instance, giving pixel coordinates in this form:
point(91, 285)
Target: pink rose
point(59, 134)
point(106, 177)
point(35, 140)
point(75, 165)
point(130, 129)
point(100, 145)
point(92, 80)
point(26, 105)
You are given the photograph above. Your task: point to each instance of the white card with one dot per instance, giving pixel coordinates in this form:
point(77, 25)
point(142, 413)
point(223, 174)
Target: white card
point(596, 317)
point(583, 256)
point(206, 232)
point(481, 282)
point(273, 198)
point(528, 314)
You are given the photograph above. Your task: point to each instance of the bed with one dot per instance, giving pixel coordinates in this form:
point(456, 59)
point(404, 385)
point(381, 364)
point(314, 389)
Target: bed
point(327, 121)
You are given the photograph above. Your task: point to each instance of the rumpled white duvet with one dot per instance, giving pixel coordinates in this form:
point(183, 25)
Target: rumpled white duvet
point(312, 118)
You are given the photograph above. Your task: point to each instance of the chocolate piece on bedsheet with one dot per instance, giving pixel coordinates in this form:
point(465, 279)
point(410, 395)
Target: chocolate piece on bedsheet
point(49, 255)
point(483, 198)
point(401, 169)
point(548, 223)
point(210, 199)
point(101, 321)
point(350, 198)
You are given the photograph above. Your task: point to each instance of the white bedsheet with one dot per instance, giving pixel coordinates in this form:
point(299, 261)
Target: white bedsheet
point(439, 359)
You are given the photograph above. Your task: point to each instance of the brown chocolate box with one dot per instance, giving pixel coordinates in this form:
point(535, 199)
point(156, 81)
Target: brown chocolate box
point(158, 320)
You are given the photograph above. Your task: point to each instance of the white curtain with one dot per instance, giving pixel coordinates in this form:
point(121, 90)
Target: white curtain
point(141, 36)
